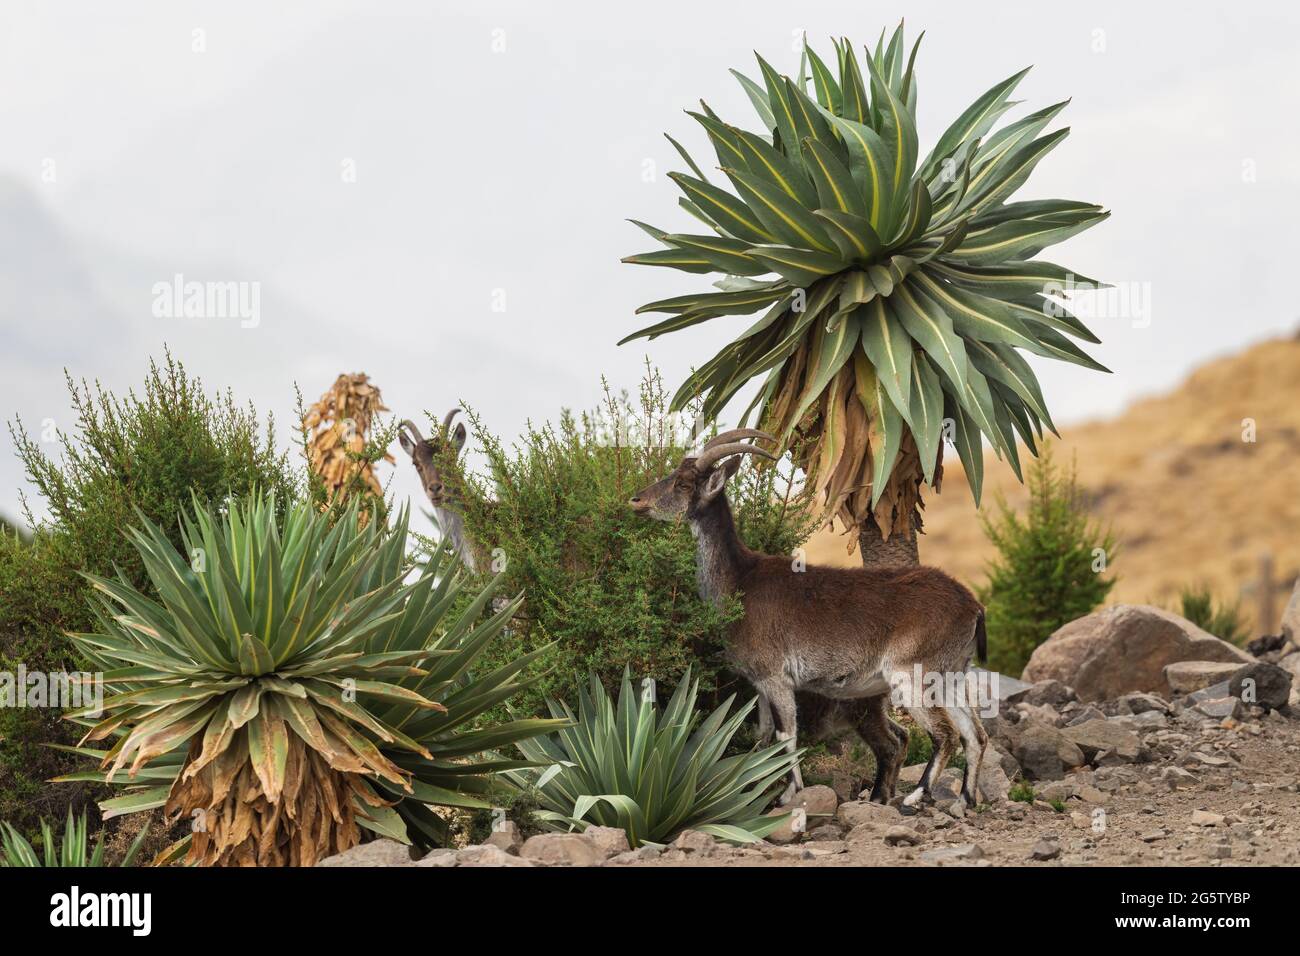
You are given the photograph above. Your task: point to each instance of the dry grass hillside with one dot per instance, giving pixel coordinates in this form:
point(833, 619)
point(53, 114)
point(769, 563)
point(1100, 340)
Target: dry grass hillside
point(1188, 499)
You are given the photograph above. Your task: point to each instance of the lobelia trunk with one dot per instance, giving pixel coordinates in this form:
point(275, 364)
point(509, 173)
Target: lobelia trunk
point(899, 550)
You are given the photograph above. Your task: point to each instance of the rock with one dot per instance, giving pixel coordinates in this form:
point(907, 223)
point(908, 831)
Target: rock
point(1177, 778)
point(1056, 790)
point(1222, 707)
point(1149, 720)
point(1003, 686)
point(1124, 649)
point(1142, 704)
point(609, 840)
point(1084, 715)
point(382, 852)
point(1153, 836)
point(858, 812)
point(1045, 849)
point(1291, 617)
point(1097, 735)
point(809, 807)
point(793, 829)
point(487, 855)
point(1291, 664)
point(901, 836)
point(1080, 820)
point(816, 801)
point(1187, 677)
point(1262, 683)
point(506, 836)
point(1217, 851)
point(1266, 646)
point(1050, 693)
point(961, 852)
point(1044, 753)
point(954, 808)
point(572, 849)
point(1205, 818)
point(994, 784)
point(438, 858)
point(827, 832)
point(639, 855)
point(1090, 794)
point(693, 841)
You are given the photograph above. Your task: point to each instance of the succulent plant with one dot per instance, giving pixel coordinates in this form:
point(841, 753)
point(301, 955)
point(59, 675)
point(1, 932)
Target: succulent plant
point(652, 773)
point(293, 683)
point(895, 289)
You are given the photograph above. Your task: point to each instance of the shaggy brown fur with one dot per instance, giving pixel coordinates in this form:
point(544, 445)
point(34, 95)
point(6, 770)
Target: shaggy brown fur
point(843, 633)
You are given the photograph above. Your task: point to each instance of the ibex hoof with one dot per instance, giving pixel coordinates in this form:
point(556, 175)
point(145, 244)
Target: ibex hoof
point(915, 798)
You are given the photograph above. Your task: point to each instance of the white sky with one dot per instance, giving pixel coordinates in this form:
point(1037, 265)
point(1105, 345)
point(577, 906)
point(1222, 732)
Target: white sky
point(480, 170)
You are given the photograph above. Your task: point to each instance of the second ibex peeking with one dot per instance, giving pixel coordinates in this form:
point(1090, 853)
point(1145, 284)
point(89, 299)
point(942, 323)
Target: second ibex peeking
point(424, 455)
point(843, 633)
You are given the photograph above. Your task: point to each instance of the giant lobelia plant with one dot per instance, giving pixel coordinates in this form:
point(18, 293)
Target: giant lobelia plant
point(895, 290)
point(293, 682)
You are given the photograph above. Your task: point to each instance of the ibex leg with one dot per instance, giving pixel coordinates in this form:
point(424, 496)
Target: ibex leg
point(888, 743)
point(781, 698)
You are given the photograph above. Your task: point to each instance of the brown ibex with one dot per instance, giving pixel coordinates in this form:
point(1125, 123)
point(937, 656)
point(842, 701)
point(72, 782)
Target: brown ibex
point(425, 454)
point(843, 633)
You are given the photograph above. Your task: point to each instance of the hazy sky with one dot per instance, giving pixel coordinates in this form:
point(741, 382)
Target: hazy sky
point(435, 193)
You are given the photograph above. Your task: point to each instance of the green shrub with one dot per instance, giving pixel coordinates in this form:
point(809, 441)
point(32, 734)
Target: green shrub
point(1022, 791)
point(1050, 566)
point(652, 773)
point(1198, 605)
point(148, 451)
point(611, 589)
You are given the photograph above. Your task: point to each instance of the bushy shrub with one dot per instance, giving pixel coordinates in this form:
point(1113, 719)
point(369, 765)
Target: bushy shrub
point(1198, 604)
point(148, 451)
point(1049, 569)
point(611, 589)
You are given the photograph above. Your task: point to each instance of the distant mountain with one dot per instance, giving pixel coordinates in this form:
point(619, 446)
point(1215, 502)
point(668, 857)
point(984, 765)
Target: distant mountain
point(1189, 500)
point(67, 302)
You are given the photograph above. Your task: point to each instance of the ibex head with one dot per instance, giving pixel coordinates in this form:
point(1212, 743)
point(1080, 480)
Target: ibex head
point(426, 452)
point(699, 479)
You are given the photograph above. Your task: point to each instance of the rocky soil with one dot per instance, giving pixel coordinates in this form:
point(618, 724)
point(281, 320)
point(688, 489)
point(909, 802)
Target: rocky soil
point(1203, 771)
point(1141, 781)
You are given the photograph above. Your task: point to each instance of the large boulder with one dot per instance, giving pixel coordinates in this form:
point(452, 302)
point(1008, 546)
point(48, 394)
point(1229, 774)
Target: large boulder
point(1123, 649)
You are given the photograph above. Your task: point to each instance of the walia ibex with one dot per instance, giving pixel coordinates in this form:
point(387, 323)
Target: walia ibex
point(425, 455)
point(843, 633)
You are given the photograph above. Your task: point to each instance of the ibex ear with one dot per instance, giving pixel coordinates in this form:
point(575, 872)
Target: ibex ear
point(404, 440)
point(458, 437)
point(717, 480)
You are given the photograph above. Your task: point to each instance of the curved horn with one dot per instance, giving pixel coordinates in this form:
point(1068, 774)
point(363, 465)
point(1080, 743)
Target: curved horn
point(410, 426)
point(446, 422)
point(735, 435)
point(716, 453)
